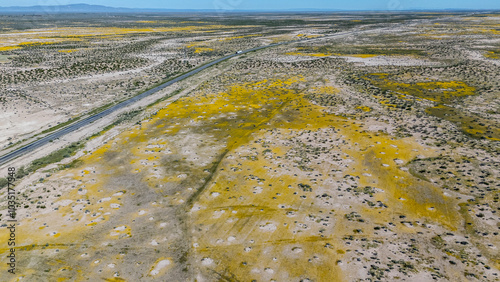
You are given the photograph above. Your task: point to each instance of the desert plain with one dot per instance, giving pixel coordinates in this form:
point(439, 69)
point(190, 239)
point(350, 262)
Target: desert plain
point(366, 148)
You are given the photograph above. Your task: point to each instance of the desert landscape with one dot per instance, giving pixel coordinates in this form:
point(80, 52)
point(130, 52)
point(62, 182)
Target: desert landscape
point(366, 148)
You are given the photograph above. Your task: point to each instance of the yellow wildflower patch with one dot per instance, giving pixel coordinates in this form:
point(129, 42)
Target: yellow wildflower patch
point(68, 51)
point(493, 54)
point(202, 50)
point(437, 91)
point(8, 48)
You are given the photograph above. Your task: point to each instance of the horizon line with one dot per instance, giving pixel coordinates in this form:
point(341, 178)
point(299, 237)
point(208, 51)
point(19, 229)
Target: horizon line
point(247, 10)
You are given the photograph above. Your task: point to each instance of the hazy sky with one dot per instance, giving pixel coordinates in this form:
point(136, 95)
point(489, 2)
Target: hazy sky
point(273, 4)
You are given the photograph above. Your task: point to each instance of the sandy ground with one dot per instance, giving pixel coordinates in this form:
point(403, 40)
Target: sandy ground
point(97, 126)
point(263, 171)
point(37, 106)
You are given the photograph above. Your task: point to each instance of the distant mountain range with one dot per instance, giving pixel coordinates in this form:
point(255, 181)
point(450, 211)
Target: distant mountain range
point(86, 8)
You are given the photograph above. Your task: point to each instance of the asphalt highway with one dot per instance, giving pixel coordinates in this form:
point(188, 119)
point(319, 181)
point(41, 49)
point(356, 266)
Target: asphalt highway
point(84, 122)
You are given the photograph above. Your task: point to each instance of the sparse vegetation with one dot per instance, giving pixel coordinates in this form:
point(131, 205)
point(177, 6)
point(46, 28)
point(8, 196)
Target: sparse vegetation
point(372, 156)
